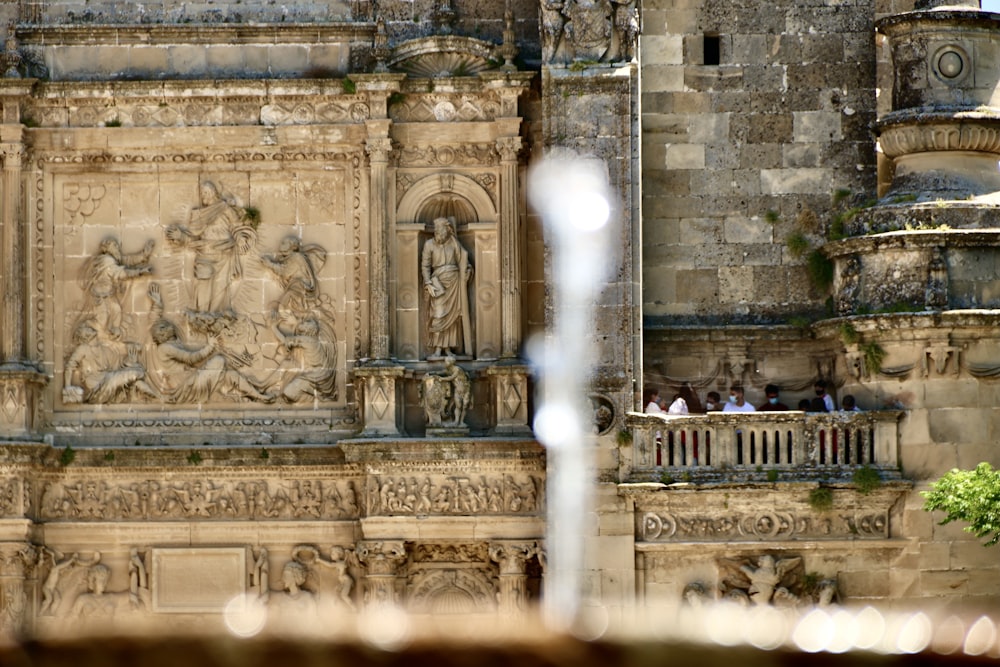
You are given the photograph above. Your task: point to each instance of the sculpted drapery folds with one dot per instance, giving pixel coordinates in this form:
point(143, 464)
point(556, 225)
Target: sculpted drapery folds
point(219, 233)
point(446, 271)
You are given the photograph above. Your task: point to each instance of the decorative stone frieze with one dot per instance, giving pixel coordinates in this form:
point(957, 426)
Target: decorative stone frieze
point(459, 493)
point(247, 498)
point(763, 525)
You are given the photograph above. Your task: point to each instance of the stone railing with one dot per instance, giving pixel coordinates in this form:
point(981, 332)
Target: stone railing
point(760, 441)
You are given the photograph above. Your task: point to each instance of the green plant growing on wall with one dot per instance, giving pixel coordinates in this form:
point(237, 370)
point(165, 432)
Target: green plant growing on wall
point(972, 496)
point(874, 354)
point(820, 270)
point(264, 454)
point(67, 456)
point(848, 334)
point(666, 478)
point(194, 458)
point(866, 479)
point(252, 215)
point(109, 456)
point(624, 437)
point(821, 499)
point(114, 122)
point(348, 86)
point(772, 216)
point(772, 475)
point(797, 244)
point(396, 98)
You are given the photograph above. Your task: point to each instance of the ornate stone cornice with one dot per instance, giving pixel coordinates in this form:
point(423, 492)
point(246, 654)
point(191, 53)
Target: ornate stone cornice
point(165, 33)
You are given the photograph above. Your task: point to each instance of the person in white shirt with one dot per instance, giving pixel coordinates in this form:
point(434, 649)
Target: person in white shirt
point(820, 388)
point(736, 402)
point(653, 401)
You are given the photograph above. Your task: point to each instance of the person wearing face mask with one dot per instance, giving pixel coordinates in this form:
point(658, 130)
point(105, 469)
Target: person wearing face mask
point(772, 404)
point(713, 402)
point(736, 402)
point(820, 388)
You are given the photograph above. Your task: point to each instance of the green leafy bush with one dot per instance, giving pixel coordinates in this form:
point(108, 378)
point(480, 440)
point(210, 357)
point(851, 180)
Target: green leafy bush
point(972, 496)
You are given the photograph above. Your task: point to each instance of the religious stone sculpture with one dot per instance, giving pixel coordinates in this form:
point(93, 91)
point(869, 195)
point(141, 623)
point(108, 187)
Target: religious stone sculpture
point(219, 233)
point(103, 371)
point(446, 272)
point(104, 280)
point(317, 348)
point(193, 373)
point(447, 393)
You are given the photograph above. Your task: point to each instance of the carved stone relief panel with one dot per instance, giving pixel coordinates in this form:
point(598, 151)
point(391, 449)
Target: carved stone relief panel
point(762, 525)
point(205, 287)
point(163, 499)
point(456, 493)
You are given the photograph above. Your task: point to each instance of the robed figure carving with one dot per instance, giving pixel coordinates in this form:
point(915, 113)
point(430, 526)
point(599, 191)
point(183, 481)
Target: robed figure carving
point(445, 268)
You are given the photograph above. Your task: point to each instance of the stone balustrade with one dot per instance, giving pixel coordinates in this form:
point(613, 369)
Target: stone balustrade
point(705, 445)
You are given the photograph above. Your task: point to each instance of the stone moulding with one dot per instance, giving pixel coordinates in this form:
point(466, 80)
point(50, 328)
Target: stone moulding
point(913, 239)
point(920, 133)
point(230, 33)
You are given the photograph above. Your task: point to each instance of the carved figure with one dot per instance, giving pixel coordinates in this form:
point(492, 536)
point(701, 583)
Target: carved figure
point(193, 373)
point(219, 234)
point(260, 576)
point(850, 287)
point(296, 600)
point(435, 394)
point(97, 602)
point(446, 271)
point(317, 348)
point(50, 587)
point(552, 22)
point(102, 371)
point(695, 595)
point(764, 579)
point(339, 561)
point(105, 277)
point(626, 30)
point(936, 292)
point(296, 266)
point(589, 28)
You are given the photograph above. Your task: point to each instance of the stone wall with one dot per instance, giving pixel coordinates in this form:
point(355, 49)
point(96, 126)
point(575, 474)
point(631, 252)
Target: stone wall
point(735, 154)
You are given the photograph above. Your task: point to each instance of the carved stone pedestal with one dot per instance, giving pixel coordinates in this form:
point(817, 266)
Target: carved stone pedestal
point(382, 560)
point(19, 395)
point(510, 390)
point(512, 591)
point(447, 431)
point(376, 385)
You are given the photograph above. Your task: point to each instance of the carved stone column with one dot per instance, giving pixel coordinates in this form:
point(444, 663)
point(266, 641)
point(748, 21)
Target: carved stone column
point(376, 386)
point(513, 580)
point(510, 391)
point(17, 561)
point(378, 146)
point(382, 560)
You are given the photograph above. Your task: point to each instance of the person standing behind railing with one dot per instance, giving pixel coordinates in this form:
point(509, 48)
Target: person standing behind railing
point(820, 388)
point(736, 402)
point(773, 404)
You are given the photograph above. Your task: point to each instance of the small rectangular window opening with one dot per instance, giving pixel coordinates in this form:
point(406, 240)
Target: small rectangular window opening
point(712, 50)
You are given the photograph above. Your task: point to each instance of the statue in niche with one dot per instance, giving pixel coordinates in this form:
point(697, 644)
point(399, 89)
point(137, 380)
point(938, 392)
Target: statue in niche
point(447, 393)
point(445, 268)
point(192, 373)
point(219, 233)
point(105, 280)
point(103, 371)
point(316, 346)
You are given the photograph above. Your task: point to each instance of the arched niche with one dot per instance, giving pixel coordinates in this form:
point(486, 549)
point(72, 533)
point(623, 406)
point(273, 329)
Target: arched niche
point(461, 197)
point(434, 187)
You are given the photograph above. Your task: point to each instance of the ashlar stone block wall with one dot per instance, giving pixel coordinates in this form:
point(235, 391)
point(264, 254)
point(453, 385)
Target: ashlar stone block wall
point(736, 153)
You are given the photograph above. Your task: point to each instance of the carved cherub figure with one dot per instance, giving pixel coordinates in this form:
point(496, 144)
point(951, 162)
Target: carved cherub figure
point(50, 588)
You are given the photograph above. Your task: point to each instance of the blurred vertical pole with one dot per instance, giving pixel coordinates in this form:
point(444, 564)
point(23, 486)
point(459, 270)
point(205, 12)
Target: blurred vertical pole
point(571, 194)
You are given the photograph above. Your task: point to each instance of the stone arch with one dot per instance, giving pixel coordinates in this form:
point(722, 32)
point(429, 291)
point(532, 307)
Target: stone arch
point(452, 591)
point(432, 187)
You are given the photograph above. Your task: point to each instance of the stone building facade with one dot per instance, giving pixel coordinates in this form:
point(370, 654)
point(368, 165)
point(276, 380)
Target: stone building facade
point(270, 276)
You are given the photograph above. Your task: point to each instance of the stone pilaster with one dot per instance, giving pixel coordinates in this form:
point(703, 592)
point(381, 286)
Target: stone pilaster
point(378, 146)
point(510, 391)
point(20, 380)
point(17, 560)
point(512, 583)
point(376, 386)
point(510, 248)
point(382, 560)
